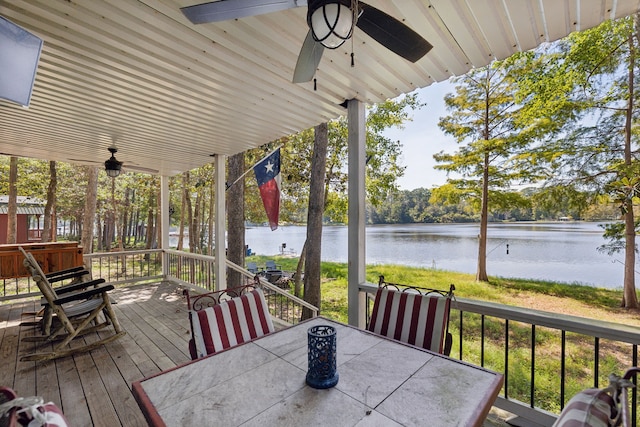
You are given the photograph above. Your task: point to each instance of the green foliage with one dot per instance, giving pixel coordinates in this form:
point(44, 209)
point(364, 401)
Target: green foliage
point(382, 171)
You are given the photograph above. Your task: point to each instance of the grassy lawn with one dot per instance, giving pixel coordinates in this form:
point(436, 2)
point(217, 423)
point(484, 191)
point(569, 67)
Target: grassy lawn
point(578, 300)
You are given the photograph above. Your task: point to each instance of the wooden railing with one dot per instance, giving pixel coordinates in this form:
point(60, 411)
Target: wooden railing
point(513, 332)
point(197, 271)
point(127, 267)
point(191, 270)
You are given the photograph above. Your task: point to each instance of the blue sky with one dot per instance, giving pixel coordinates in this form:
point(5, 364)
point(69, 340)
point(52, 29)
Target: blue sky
point(421, 139)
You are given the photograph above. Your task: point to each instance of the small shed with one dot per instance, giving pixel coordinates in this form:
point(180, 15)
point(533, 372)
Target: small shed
point(30, 219)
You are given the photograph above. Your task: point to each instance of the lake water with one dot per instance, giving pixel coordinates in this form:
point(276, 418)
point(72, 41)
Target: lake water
point(562, 251)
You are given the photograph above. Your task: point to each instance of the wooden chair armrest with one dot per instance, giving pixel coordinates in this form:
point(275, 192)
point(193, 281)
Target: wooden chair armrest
point(84, 295)
point(72, 287)
point(64, 275)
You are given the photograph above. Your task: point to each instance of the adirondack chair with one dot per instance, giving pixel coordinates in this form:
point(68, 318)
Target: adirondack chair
point(252, 267)
point(270, 265)
point(414, 315)
point(76, 314)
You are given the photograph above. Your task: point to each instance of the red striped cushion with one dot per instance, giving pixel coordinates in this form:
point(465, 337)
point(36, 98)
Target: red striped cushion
point(416, 319)
point(230, 323)
point(589, 408)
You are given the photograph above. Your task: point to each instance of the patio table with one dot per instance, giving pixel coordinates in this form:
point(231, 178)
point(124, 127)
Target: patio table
point(262, 383)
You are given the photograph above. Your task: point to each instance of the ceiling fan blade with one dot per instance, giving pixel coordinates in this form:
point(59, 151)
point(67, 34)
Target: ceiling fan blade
point(392, 34)
point(308, 59)
point(223, 10)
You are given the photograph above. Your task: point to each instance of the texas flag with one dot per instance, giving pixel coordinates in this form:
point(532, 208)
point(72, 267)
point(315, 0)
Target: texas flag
point(268, 176)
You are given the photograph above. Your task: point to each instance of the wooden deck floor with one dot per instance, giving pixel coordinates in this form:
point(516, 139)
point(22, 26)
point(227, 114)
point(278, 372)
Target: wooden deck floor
point(95, 388)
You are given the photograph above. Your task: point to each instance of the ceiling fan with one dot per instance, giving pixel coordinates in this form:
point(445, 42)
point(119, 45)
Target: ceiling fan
point(330, 23)
point(114, 167)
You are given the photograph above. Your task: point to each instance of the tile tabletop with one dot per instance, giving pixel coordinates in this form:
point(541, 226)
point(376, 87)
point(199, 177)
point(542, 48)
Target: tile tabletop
point(262, 383)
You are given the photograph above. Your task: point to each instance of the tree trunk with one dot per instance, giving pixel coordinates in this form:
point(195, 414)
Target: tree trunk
point(90, 204)
point(189, 210)
point(194, 238)
point(629, 298)
point(149, 239)
point(49, 227)
point(235, 219)
point(158, 211)
point(124, 219)
point(12, 209)
point(313, 244)
point(183, 210)
point(481, 274)
point(211, 221)
point(297, 280)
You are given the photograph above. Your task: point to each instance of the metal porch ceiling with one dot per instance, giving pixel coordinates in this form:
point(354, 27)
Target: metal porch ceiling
point(168, 94)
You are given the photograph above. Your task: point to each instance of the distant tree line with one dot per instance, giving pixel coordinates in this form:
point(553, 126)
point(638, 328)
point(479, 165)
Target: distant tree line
point(529, 204)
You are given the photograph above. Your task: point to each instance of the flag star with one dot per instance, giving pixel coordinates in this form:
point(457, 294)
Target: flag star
point(269, 166)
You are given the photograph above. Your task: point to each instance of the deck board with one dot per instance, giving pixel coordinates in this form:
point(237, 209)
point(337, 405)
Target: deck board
point(95, 388)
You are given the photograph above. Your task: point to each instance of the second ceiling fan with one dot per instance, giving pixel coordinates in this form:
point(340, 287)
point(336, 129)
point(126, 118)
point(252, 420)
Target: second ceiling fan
point(330, 24)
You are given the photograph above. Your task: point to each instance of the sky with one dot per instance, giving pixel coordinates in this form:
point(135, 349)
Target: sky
point(421, 139)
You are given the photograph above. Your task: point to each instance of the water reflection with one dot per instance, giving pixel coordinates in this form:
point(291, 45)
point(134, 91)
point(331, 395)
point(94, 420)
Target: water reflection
point(551, 251)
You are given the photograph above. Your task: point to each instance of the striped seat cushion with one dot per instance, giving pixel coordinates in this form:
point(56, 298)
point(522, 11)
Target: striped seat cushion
point(230, 323)
point(416, 319)
point(589, 408)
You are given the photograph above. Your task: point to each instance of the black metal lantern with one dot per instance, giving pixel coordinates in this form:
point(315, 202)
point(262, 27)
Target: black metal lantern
point(113, 166)
point(331, 21)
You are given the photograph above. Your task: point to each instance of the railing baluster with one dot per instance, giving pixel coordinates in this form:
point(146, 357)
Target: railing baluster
point(532, 386)
point(482, 340)
point(634, 390)
point(460, 336)
point(563, 356)
point(506, 358)
point(596, 362)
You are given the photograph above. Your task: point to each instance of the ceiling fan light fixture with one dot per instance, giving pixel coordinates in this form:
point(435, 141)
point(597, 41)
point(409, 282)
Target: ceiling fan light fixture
point(112, 166)
point(331, 21)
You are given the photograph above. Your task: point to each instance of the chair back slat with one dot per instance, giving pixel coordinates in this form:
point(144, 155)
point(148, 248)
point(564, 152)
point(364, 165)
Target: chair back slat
point(230, 323)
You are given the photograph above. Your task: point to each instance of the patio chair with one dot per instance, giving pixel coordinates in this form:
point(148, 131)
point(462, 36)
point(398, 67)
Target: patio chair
point(224, 319)
point(270, 265)
point(252, 267)
point(605, 407)
point(414, 315)
point(76, 312)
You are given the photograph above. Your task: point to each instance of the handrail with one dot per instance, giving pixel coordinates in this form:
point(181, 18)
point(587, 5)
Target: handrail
point(272, 287)
point(581, 325)
point(200, 257)
point(120, 253)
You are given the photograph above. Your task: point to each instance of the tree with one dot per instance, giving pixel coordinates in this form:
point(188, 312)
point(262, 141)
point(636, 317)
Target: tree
point(12, 208)
point(235, 217)
point(89, 216)
point(586, 85)
point(313, 244)
point(49, 228)
point(483, 117)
